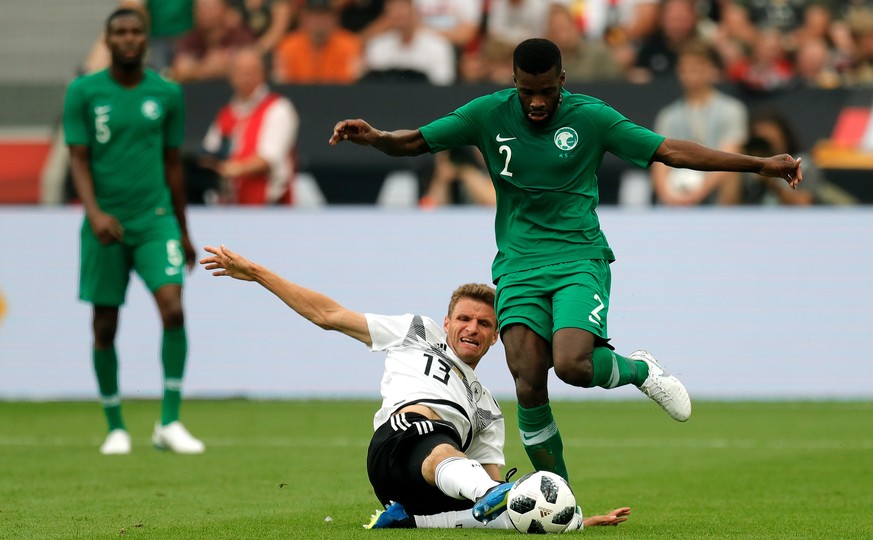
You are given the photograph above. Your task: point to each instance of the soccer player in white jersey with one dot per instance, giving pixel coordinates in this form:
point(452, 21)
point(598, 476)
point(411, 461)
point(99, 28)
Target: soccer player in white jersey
point(438, 441)
point(439, 435)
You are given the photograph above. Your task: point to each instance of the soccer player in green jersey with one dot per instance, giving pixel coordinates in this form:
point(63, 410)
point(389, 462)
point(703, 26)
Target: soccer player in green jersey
point(543, 146)
point(124, 126)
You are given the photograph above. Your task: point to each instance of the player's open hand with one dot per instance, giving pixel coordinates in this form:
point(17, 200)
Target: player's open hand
point(225, 262)
point(356, 131)
point(783, 166)
point(619, 515)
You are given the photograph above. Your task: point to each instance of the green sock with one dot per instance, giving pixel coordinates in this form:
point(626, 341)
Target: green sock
point(174, 349)
point(106, 369)
point(612, 370)
point(541, 439)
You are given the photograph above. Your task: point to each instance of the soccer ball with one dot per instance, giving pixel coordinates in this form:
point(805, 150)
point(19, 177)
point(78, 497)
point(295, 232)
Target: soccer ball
point(541, 502)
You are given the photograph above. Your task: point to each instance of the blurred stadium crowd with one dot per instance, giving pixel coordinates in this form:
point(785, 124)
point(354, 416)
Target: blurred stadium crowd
point(755, 47)
point(763, 45)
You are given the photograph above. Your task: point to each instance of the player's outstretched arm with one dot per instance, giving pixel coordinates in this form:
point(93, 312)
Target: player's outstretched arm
point(619, 515)
point(402, 142)
point(691, 155)
point(314, 306)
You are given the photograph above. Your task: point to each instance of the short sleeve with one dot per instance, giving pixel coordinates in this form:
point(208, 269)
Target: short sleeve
point(456, 129)
point(631, 142)
point(387, 331)
point(75, 116)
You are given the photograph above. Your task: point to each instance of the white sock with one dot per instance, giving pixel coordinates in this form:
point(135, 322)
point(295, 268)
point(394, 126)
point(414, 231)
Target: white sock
point(462, 478)
point(461, 519)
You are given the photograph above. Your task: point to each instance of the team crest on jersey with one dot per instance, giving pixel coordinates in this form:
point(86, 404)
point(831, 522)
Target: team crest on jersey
point(151, 109)
point(476, 389)
point(566, 138)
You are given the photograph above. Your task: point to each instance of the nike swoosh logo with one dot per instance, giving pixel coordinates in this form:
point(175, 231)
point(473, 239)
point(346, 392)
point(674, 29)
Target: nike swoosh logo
point(531, 436)
point(504, 139)
point(172, 271)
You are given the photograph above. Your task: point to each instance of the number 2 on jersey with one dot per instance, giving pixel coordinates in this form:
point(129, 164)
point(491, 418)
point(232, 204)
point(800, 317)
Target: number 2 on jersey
point(505, 171)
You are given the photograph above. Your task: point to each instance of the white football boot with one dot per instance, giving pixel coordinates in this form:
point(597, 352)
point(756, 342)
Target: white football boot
point(577, 523)
point(664, 389)
point(117, 442)
point(176, 438)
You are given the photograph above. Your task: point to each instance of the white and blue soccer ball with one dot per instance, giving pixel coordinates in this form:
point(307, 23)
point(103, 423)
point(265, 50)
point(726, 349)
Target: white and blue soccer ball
point(541, 502)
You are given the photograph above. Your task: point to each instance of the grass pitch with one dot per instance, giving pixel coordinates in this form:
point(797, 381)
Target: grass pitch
point(295, 469)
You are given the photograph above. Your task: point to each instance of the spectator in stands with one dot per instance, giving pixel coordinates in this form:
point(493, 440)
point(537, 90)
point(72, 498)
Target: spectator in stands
point(512, 21)
point(658, 53)
point(268, 20)
point(768, 68)
point(204, 53)
point(704, 115)
point(615, 21)
point(583, 59)
point(473, 68)
point(622, 24)
point(359, 16)
point(457, 20)
point(735, 35)
point(492, 60)
point(784, 15)
point(771, 132)
point(815, 66)
point(816, 24)
point(169, 21)
point(252, 139)
point(408, 50)
point(320, 51)
point(860, 72)
point(459, 177)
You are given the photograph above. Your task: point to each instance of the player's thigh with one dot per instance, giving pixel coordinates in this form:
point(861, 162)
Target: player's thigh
point(525, 298)
point(582, 297)
point(104, 270)
point(394, 461)
point(158, 256)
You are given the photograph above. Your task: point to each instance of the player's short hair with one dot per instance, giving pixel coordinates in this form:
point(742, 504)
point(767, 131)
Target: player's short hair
point(124, 12)
point(475, 291)
point(536, 55)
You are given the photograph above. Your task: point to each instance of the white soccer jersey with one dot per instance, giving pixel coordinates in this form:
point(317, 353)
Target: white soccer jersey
point(421, 368)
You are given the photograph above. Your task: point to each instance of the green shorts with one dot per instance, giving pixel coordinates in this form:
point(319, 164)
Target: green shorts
point(546, 299)
point(153, 250)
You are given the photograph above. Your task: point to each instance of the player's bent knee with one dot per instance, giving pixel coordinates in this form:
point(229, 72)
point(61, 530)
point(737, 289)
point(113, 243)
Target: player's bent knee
point(440, 453)
point(576, 371)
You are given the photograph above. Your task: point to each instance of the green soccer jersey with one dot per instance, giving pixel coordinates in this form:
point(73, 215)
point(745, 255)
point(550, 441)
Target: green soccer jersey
point(126, 131)
point(545, 177)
